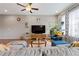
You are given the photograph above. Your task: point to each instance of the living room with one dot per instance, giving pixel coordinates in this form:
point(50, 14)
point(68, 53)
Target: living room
point(18, 19)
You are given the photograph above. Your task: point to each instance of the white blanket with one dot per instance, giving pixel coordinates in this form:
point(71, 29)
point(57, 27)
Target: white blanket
point(43, 51)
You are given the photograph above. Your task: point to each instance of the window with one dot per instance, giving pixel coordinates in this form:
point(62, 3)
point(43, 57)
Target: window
point(74, 23)
point(63, 24)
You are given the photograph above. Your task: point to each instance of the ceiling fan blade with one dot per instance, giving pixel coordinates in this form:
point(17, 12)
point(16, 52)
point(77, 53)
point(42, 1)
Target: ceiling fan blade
point(23, 9)
point(30, 4)
point(35, 9)
point(20, 4)
point(30, 11)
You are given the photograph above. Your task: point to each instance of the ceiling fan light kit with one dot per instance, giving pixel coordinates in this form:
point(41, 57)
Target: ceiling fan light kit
point(28, 7)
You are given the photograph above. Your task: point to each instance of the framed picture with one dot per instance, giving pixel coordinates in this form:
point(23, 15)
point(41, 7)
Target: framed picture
point(26, 24)
point(18, 19)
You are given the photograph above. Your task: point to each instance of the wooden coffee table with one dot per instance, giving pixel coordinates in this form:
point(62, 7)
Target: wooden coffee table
point(39, 39)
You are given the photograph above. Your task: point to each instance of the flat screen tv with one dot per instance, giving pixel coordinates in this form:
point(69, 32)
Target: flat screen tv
point(38, 29)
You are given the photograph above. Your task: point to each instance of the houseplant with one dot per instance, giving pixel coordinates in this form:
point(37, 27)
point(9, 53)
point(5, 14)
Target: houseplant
point(54, 30)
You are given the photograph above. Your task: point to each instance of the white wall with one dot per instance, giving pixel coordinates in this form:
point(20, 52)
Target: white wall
point(10, 28)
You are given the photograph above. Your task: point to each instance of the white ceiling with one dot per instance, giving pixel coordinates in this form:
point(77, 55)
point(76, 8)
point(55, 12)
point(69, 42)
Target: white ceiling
point(44, 8)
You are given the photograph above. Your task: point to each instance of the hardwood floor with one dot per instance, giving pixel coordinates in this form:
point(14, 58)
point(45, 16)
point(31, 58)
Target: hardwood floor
point(5, 41)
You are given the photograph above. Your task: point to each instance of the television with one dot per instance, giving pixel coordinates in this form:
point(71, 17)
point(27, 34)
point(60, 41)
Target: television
point(38, 29)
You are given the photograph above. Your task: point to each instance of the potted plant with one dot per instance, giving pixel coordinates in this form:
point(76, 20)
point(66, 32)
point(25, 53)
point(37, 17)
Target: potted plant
point(54, 30)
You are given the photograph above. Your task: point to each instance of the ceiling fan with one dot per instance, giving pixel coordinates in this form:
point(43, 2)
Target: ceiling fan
point(27, 7)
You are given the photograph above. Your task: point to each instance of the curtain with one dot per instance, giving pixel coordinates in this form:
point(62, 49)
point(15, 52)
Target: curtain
point(74, 23)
